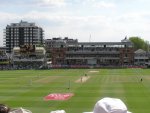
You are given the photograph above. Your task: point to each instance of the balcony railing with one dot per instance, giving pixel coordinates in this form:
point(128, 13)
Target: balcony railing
point(25, 60)
point(111, 58)
point(92, 52)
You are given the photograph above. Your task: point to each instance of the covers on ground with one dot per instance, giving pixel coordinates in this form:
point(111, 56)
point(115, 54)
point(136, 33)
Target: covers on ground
point(58, 96)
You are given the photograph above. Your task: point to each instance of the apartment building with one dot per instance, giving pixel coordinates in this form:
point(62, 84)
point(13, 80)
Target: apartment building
point(22, 33)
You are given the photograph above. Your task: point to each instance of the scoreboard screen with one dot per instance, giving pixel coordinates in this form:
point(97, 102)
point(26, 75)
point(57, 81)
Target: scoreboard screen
point(27, 48)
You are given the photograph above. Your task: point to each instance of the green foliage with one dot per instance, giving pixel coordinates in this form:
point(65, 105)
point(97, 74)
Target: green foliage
point(4, 62)
point(40, 45)
point(139, 43)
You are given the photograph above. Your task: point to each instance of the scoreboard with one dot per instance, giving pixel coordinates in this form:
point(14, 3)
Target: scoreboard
point(27, 48)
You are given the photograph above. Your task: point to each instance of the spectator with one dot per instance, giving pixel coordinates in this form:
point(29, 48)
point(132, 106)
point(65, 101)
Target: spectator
point(58, 111)
point(4, 108)
point(20, 110)
point(110, 105)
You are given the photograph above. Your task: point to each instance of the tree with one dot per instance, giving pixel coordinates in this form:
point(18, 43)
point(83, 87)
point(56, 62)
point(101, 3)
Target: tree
point(139, 43)
point(147, 46)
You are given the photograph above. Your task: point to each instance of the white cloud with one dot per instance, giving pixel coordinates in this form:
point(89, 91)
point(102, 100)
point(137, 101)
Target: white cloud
point(101, 27)
point(7, 16)
point(102, 4)
point(34, 3)
point(50, 3)
point(99, 4)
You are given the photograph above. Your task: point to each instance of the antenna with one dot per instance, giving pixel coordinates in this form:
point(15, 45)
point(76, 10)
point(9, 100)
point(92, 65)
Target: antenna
point(90, 38)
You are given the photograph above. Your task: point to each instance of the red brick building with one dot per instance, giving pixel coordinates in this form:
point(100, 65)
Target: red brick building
point(71, 52)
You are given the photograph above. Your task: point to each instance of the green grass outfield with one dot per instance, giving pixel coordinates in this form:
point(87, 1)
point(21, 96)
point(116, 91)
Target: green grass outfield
point(27, 88)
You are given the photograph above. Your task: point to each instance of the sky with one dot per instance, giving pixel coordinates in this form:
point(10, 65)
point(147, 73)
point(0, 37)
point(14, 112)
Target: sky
point(85, 20)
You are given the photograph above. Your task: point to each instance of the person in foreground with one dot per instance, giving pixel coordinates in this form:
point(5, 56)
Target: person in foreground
point(4, 108)
point(20, 110)
point(110, 105)
point(105, 105)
